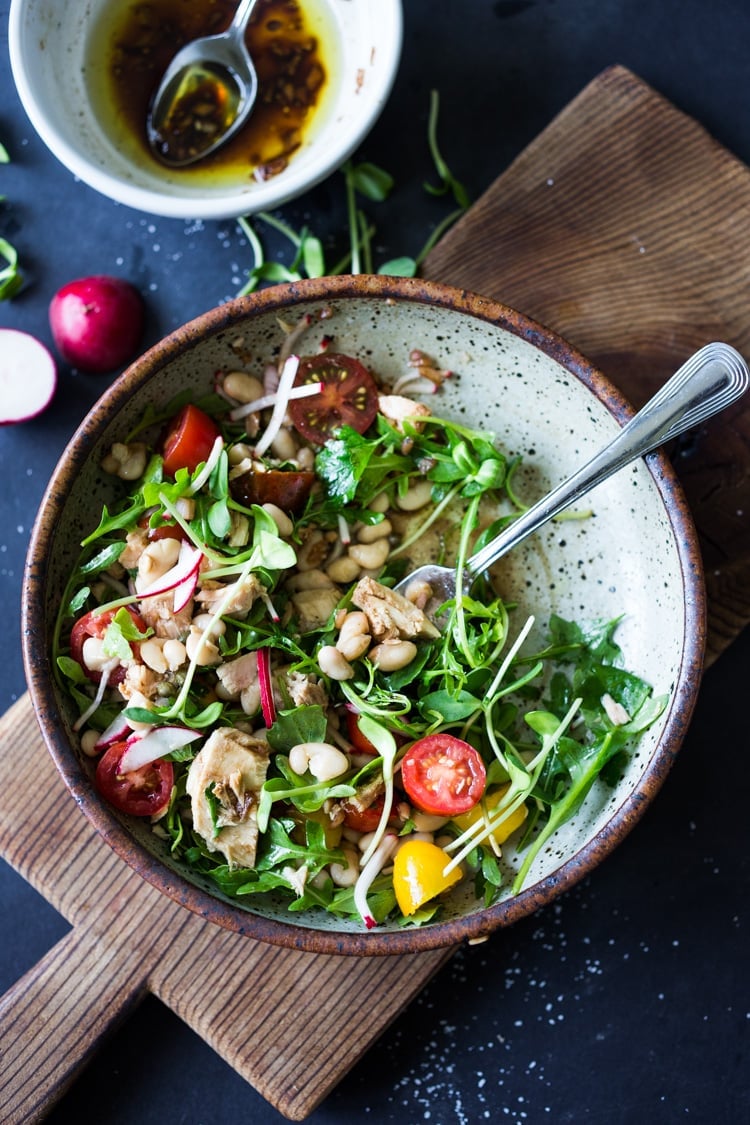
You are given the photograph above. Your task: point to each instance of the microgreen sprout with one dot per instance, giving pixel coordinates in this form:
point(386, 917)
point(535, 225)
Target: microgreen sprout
point(11, 278)
point(362, 180)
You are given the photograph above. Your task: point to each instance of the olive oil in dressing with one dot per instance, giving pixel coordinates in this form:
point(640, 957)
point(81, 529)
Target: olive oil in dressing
point(293, 46)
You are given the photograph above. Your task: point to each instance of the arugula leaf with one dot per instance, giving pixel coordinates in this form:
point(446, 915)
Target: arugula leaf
point(280, 848)
point(298, 725)
point(128, 517)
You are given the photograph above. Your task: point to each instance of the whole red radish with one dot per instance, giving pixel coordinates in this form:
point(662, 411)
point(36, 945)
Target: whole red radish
point(28, 376)
point(96, 322)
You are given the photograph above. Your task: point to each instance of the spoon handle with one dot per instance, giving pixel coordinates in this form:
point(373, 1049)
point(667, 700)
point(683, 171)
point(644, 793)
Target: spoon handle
point(241, 17)
point(709, 381)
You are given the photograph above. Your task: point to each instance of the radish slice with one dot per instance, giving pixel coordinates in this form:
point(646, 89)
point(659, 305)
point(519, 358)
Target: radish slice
point(184, 592)
point(267, 705)
point(107, 670)
point(28, 376)
point(305, 391)
point(209, 466)
point(185, 570)
point(373, 867)
point(143, 749)
point(117, 730)
point(288, 375)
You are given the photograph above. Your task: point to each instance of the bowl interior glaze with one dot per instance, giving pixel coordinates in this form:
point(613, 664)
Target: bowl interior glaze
point(635, 555)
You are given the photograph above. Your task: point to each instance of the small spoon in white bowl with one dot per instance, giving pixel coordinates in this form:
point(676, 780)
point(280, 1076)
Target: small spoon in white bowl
point(712, 379)
point(205, 96)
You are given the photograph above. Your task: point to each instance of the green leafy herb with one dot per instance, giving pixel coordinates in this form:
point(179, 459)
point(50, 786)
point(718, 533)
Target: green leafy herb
point(11, 278)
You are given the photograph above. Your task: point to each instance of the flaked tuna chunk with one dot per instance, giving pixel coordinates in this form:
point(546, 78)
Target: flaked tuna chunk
point(232, 766)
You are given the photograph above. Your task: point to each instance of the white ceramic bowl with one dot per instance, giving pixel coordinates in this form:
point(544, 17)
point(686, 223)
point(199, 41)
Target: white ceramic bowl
point(50, 43)
point(637, 557)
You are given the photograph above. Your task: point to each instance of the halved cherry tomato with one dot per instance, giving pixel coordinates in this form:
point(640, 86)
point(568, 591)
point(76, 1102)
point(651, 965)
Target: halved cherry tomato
point(349, 397)
point(288, 489)
point(167, 529)
point(142, 792)
point(95, 625)
point(363, 820)
point(443, 775)
point(418, 874)
point(361, 744)
point(189, 440)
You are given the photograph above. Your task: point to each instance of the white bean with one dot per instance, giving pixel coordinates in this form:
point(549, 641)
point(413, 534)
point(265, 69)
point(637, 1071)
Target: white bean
point(334, 664)
point(323, 760)
point(305, 458)
point(343, 570)
point(425, 836)
point(128, 462)
point(346, 876)
point(240, 452)
point(284, 445)
point(388, 656)
point(202, 651)
point(158, 557)
point(280, 518)
point(93, 654)
point(152, 654)
point(418, 593)
point(203, 620)
point(427, 822)
point(242, 387)
point(308, 580)
point(380, 503)
point(415, 497)
point(373, 531)
point(138, 699)
point(370, 556)
point(354, 636)
point(175, 653)
point(89, 739)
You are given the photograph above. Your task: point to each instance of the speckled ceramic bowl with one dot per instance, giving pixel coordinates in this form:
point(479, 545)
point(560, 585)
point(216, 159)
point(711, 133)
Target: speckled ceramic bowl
point(636, 556)
point(56, 59)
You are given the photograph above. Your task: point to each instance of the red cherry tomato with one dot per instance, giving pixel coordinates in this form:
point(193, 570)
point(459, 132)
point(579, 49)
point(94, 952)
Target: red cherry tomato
point(167, 529)
point(189, 440)
point(349, 397)
point(443, 775)
point(361, 744)
point(363, 820)
point(142, 792)
point(95, 625)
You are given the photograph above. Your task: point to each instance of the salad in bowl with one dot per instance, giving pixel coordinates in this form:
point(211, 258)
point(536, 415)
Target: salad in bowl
point(250, 696)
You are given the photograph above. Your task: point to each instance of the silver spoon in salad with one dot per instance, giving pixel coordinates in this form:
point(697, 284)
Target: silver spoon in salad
point(711, 380)
point(205, 95)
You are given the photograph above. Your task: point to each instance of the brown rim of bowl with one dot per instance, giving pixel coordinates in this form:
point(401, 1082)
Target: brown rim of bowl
point(35, 638)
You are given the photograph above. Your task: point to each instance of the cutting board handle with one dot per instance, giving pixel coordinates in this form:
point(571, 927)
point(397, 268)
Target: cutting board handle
point(54, 1017)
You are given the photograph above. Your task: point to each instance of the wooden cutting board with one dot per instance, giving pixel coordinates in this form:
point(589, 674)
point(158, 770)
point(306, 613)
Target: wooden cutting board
point(626, 228)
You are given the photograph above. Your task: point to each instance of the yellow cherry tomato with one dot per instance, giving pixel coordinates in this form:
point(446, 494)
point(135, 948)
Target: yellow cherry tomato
point(418, 874)
point(488, 803)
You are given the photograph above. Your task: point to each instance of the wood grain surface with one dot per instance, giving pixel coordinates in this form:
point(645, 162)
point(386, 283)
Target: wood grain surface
point(625, 228)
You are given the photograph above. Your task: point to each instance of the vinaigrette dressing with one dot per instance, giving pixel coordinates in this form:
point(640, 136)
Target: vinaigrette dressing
point(293, 46)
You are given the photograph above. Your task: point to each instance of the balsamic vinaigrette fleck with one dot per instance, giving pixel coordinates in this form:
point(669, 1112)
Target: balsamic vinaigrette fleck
point(288, 58)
